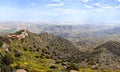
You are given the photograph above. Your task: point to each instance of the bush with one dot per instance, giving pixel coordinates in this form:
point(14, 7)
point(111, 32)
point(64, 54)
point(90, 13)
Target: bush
point(53, 67)
point(17, 53)
point(25, 48)
point(73, 67)
point(7, 59)
point(1, 43)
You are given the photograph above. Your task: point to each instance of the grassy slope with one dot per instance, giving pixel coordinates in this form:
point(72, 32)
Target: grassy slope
point(30, 62)
point(27, 59)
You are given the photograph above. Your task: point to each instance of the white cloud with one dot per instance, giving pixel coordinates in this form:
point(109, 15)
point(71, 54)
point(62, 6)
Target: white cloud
point(103, 5)
point(57, 0)
point(32, 4)
point(62, 0)
point(88, 6)
point(55, 4)
point(68, 0)
point(85, 0)
point(97, 4)
point(117, 6)
point(67, 11)
point(119, 0)
point(8, 13)
point(107, 7)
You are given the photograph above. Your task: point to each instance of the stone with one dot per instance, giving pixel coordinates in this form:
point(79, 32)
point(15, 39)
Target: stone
point(20, 70)
point(73, 71)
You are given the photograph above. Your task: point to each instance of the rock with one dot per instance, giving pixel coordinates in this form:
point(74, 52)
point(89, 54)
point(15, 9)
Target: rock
point(73, 71)
point(20, 70)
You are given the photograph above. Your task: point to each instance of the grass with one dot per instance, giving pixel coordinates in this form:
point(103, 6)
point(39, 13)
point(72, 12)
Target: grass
point(92, 70)
point(29, 62)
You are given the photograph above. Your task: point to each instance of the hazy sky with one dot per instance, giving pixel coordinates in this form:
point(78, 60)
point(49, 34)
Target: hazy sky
point(83, 11)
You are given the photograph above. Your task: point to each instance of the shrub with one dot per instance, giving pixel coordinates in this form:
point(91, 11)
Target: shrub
point(1, 43)
point(7, 59)
point(53, 67)
point(73, 67)
point(17, 53)
point(25, 48)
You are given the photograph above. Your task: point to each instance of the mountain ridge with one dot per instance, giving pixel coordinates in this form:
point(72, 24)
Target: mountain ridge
point(47, 52)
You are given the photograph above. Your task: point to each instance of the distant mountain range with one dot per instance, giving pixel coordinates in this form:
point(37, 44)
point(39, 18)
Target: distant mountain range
point(87, 34)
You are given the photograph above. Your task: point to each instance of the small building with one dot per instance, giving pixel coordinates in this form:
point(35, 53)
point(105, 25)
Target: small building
point(11, 35)
point(19, 36)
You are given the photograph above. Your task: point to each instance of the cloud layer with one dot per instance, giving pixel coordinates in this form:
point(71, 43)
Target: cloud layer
point(83, 11)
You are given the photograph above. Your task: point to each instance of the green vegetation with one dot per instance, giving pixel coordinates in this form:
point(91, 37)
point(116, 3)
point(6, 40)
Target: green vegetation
point(1, 43)
point(29, 55)
point(93, 70)
point(49, 53)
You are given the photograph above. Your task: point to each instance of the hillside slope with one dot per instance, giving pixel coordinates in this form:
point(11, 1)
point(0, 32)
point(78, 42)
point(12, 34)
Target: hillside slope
point(107, 55)
point(38, 53)
point(50, 53)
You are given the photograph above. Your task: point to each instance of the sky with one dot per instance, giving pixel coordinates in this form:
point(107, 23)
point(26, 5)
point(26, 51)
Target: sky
point(81, 11)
